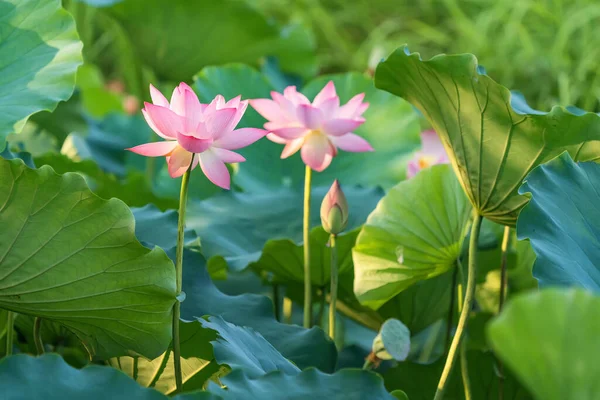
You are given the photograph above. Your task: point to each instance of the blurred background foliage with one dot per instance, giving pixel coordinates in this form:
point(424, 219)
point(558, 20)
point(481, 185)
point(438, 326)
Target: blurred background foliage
point(547, 49)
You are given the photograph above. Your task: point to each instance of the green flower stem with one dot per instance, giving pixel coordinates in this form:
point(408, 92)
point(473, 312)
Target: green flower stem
point(10, 327)
point(464, 365)
point(464, 371)
point(334, 286)
point(452, 305)
point(503, 283)
point(367, 365)
point(179, 275)
point(503, 262)
point(466, 308)
point(306, 238)
point(37, 335)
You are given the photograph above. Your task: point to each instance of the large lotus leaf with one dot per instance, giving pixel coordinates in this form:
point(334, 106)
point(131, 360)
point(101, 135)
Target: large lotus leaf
point(416, 232)
point(310, 384)
point(39, 54)
point(134, 190)
point(197, 364)
point(561, 222)
point(284, 258)
point(68, 256)
point(265, 170)
point(223, 31)
point(242, 348)
point(238, 225)
point(49, 377)
point(304, 347)
point(420, 381)
point(493, 141)
point(550, 340)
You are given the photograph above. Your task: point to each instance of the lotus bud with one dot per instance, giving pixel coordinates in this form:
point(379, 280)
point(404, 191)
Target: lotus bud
point(334, 210)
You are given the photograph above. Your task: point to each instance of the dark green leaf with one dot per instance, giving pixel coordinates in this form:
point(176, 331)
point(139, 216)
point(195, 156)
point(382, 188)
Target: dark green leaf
point(561, 222)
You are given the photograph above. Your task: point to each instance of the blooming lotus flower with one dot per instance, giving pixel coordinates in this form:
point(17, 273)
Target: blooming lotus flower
point(205, 132)
point(432, 152)
point(318, 128)
point(334, 210)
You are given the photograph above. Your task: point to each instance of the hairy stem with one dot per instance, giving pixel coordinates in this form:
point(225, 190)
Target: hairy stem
point(466, 308)
point(334, 286)
point(10, 327)
point(37, 335)
point(306, 238)
point(179, 276)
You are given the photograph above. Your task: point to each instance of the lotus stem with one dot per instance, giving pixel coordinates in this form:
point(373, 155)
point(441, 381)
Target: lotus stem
point(464, 369)
point(464, 364)
point(37, 335)
point(504, 248)
point(503, 284)
point(179, 276)
point(10, 327)
point(306, 239)
point(466, 308)
point(334, 286)
point(452, 304)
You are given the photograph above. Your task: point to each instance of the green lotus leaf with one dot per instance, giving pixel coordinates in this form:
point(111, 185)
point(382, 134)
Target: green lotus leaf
point(308, 384)
point(560, 222)
point(238, 225)
point(304, 347)
point(68, 256)
point(550, 340)
point(493, 138)
point(39, 54)
point(416, 232)
point(50, 377)
point(244, 349)
point(419, 382)
point(284, 258)
point(197, 364)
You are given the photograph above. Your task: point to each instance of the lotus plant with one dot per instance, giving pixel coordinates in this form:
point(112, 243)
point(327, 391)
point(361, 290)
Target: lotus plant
point(195, 134)
point(432, 152)
point(317, 129)
point(334, 218)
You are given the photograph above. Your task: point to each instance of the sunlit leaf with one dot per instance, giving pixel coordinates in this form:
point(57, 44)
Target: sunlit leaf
point(415, 233)
point(550, 339)
point(71, 257)
point(493, 141)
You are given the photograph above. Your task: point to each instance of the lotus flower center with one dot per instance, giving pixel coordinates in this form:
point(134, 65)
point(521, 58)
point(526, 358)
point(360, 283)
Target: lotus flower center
point(426, 161)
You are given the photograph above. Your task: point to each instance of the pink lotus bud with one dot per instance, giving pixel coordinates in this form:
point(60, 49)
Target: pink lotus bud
point(334, 210)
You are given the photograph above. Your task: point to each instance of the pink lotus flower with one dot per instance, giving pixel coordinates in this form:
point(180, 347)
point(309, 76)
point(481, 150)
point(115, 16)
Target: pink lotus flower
point(205, 132)
point(318, 128)
point(432, 152)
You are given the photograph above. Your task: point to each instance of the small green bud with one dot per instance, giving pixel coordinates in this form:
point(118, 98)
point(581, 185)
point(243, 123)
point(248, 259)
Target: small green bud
point(334, 210)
